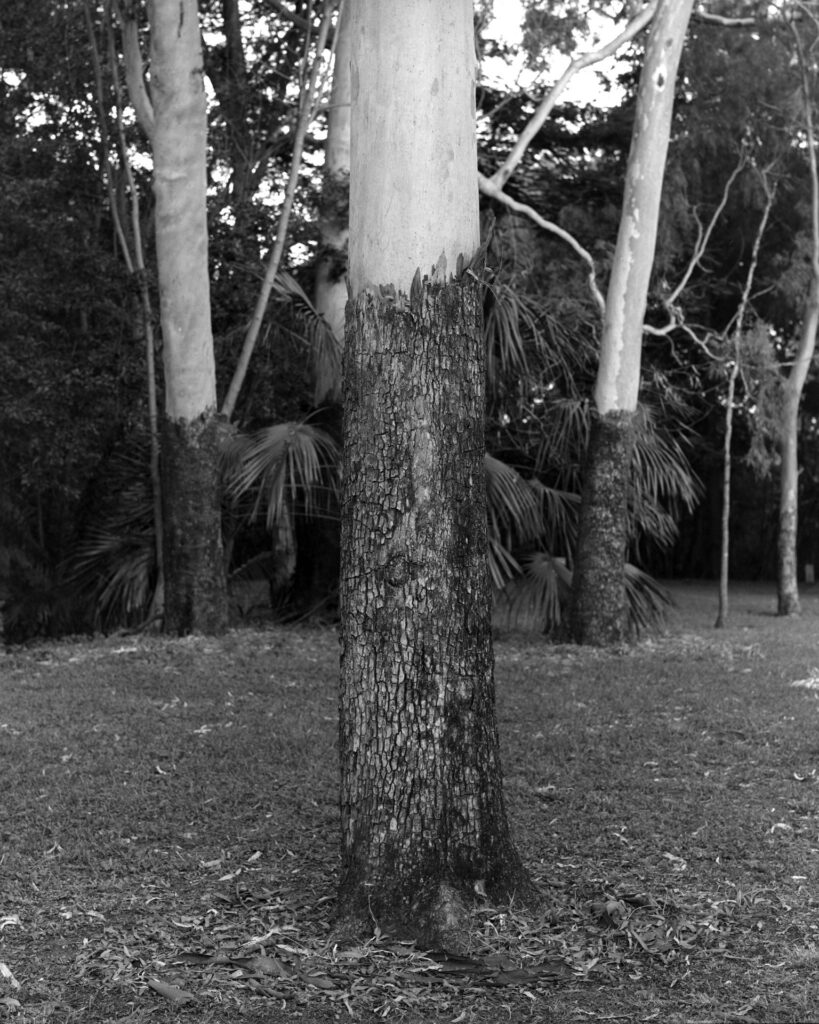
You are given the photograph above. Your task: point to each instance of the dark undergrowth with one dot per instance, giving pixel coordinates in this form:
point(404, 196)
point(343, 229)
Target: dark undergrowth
point(169, 853)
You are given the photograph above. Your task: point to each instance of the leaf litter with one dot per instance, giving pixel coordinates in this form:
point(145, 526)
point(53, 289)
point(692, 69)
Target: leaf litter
point(649, 787)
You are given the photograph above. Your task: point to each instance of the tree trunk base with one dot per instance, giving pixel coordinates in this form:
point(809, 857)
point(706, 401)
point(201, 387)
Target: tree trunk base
point(195, 585)
point(788, 604)
point(598, 611)
point(440, 918)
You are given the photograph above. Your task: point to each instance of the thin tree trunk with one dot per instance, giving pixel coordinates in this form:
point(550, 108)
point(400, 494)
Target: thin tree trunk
point(134, 261)
point(334, 213)
point(725, 524)
point(787, 580)
point(274, 259)
point(422, 810)
point(598, 612)
point(787, 577)
point(196, 590)
point(787, 585)
point(725, 519)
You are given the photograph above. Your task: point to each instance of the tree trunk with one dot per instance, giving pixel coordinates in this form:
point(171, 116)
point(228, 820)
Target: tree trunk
point(725, 512)
point(196, 597)
point(196, 592)
point(602, 543)
point(334, 211)
point(598, 608)
point(787, 584)
point(422, 809)
point(788, 587)
point(422, 803)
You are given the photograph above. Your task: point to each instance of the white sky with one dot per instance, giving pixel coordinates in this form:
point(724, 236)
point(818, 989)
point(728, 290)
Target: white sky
point(506, 26)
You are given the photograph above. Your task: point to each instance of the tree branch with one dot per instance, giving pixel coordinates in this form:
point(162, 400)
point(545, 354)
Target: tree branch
point(305, 117)
point(633, 28)
point(494, 191)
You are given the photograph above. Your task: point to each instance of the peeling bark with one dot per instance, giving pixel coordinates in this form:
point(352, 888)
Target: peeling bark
point(196, 597)
point(423, 816)
point(598, 612)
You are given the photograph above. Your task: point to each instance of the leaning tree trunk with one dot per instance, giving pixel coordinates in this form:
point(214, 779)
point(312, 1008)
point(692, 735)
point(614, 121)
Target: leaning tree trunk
point(423, 817)
point(598, 612)
point(196, 597)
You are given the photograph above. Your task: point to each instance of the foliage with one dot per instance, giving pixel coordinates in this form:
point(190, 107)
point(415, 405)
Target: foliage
point(289, 466)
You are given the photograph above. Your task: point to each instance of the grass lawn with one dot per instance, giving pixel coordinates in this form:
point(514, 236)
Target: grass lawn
point(168, 833)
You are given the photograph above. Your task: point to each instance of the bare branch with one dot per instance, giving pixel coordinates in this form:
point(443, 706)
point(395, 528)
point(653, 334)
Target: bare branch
point(705, 236)
point(719, 19)
point(633, 28)
point(490, 188)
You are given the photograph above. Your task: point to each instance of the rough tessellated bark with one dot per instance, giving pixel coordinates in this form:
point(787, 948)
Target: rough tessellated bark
point(195, 594)
point(598, 613)
point(423, 816)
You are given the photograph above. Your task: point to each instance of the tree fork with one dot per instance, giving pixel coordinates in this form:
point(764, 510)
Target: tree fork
point(423, 815)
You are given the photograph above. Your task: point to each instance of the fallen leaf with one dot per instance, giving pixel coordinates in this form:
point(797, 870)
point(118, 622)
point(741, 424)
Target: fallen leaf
point(175, 995)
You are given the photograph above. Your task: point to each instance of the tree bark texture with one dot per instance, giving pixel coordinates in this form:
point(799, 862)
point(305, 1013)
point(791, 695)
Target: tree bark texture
point(423, 815)
point(598, 613)
point(196, 597)
point(196, 592)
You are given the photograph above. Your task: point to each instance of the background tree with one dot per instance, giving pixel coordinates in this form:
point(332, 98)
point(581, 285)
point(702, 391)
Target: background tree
point(598, 597)
point(797, 375)
point(423, 816)
point(196, 597)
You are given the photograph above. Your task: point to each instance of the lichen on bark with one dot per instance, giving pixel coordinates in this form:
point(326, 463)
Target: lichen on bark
point(423, 815)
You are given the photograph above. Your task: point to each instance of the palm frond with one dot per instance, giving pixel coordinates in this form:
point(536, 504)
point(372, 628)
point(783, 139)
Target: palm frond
point(648, 601)
point(503, 566)
point(514, 508)
point(559, 514)
point(537, 600)
point(318, 336)
point(286, 464)
point(509, 323)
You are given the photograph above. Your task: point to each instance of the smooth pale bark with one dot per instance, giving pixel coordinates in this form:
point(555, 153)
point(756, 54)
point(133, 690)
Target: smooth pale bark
point(598, 614)
point(787, 585)
point(787, 581)
point(412, 171)
point(423, 817)
point(334, 219)
point(196, 596)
